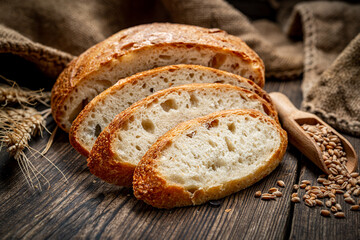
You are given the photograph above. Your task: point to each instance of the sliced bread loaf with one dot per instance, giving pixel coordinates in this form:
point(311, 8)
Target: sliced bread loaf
point(121, 145)
point(209, 158)
point(104, 107)
point(142, 48)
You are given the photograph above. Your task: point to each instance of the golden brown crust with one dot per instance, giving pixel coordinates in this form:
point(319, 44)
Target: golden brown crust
point(102, 164)
point(158, 34)
point(102, 158)
point(60, 90)
point(74, 139)
point(151, 187)
point(138, 38)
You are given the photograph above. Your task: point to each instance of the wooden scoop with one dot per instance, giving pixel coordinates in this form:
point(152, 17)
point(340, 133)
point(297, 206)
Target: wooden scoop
point(292, 119)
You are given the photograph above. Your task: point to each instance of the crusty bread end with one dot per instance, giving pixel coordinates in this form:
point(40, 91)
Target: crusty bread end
point(209, 158)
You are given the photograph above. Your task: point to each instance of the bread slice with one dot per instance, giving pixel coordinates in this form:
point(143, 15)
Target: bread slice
point(209, 158)
point(142, 48)
point(121, 145)
point(104, 107)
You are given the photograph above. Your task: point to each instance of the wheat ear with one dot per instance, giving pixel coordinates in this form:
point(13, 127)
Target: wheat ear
point(17, 126)
point(15, 94)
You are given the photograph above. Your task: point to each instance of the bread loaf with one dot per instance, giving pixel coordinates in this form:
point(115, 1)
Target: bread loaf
point(121, 145)
point(209, 158)
point(142, 48)
point(104, 107)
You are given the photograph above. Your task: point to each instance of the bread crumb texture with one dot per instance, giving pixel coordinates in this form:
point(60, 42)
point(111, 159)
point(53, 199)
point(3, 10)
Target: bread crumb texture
point(209, 158)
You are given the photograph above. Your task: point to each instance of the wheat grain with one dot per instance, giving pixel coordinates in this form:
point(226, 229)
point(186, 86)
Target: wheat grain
point(325, 213)
point(339, 215)
point(258, 194)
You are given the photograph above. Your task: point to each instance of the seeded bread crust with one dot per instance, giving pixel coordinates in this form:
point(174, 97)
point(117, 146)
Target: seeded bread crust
point(75, 135)
point(150, 186)
point(104, 56)
point(105, 164)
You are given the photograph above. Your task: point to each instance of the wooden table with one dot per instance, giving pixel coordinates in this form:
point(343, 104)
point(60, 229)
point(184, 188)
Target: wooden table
point(86, 207)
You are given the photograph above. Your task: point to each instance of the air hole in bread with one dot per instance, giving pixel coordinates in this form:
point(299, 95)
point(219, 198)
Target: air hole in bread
point(125, 126)
point(191, 75)
point(131, 94)
point(105, 120)
point(166, 80)
point(229, 144)
point(93, 115)
point(231, 127)
point(213, 167)
point(235, 66)
point(119, 137)
point(165, 57)
point(212, 143)
point(144, 85)
point(217, 60)
point(242, 97)
point(220, 81)
point(97, 130)
point(151, 90)
point(193, 100)
point(190, 135)
point(137, 136)
point(212, 124)
point(137, 148)
point(168, 105)
point(148, 125)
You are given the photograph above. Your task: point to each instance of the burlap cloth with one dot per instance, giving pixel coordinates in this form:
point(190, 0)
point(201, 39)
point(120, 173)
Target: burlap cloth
point(48, 34)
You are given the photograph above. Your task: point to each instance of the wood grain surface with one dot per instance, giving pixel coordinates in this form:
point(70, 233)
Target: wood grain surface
point(86, 207)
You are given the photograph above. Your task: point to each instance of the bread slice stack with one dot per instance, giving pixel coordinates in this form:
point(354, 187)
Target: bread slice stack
point(146, 116)
point(121, 145)
point(103, 108)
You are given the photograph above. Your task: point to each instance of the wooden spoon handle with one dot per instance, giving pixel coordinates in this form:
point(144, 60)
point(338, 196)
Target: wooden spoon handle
point(283, 105)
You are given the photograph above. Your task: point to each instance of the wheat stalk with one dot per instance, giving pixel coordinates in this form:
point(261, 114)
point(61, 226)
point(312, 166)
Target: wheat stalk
point(17, 127)
point(15, 94)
